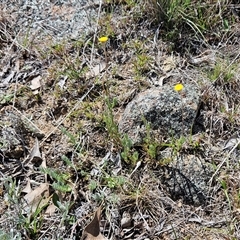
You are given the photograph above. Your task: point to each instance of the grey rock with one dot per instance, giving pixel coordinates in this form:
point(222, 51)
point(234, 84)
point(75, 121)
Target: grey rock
point(59, 19)
point(171, 112)
point(186, 177)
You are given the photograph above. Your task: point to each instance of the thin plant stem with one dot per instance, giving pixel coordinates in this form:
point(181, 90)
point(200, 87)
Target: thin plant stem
point(105, 54)
point(182, 111)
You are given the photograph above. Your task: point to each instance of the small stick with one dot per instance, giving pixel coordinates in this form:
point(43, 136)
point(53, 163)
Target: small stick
point(224, 160)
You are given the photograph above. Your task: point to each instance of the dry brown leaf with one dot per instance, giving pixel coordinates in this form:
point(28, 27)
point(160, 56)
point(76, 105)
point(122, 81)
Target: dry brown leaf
point(44, 162)
point(17, 66)
point(36, 198)
point(50, 209)
point(35, 154)
point(92, 231)
point(96, 70)
point(36, 84)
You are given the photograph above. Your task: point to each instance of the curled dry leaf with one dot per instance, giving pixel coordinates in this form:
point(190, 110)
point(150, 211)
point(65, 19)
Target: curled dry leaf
point(126, 220)
point(92, 231)
point(232, 142)
point(35, 154)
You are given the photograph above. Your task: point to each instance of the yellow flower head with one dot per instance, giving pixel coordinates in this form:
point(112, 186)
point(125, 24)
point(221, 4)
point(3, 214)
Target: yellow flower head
point(178, 87)
point(103, 39)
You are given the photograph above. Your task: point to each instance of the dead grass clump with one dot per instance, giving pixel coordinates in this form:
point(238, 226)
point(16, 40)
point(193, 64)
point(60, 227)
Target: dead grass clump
point(221, 100)
point(5, 27)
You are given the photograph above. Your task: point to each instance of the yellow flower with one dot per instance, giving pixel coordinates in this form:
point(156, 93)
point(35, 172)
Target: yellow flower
point(178, 87)
point(103, 39)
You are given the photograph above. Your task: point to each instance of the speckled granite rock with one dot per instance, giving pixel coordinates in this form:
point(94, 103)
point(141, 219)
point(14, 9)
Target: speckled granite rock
point(58, 19)
point(166, 110)
point(186, 177)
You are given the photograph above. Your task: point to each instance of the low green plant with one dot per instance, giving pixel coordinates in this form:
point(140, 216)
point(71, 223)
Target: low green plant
point(129, 156)
point(60, 179)
point(59, 48)
point(32, 221)
point(93, 185)
point(150, 144)
point(76, 142)
point(7, 98)
point(110, 124)
point(176, 144)
point(13, 190)
point(62, 184)
point(106, 179)
point(142, 63)
point(223, 72)
point(10, 235)
point(64, 209)
point(105, 187)
point(71, 137)
point(121, 141)
point(114, 182)
point(225, 190)
point(26, 41)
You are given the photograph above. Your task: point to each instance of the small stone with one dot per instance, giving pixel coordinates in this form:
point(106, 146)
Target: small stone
point(126, 220)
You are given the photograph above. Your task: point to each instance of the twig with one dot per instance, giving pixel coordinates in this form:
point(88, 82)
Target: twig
point(135, 169)
point(224, 160)
point(95, 34)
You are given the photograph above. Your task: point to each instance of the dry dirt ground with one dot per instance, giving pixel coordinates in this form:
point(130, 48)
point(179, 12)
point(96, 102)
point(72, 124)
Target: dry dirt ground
point(61, 154)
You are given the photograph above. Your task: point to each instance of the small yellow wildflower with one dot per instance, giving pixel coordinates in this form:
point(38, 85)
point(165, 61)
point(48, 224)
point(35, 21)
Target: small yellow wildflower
point(178, 87)
point(103, 39)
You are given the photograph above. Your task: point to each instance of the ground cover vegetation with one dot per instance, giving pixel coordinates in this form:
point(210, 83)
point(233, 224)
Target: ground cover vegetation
point(66, 170)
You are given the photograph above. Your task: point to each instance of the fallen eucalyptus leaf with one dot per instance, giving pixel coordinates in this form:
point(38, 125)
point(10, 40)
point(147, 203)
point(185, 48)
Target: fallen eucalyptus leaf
point(232, 141)
point(8, 78)
point(92, 231)
point(95, 71)
point(37, 198)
